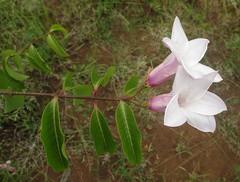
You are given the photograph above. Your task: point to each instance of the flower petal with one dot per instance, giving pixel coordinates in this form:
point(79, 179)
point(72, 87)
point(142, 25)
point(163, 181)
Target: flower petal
point(178, 34)
point(199, 70)
point(203, 123)
point(181, 81)
point(209, 104)
point(171, 45)
point(173, 116)
point(197, 88)
point(179, 37)
point(196, 51)
point(163, 72)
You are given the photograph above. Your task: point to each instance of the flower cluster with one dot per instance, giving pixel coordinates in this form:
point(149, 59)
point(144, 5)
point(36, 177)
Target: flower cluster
point(189, 99)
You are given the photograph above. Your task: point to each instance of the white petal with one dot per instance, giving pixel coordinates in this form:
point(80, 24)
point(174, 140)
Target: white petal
point(199, 70)
point(173, 116)
point(178, 34)
point(196, 51)
point(209, 104)
point(197, 88)
point(203, 123)
point(181, 81)
point(171, 45)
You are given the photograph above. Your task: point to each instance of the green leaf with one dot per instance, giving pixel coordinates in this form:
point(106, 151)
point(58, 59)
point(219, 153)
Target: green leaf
point(60, 28)
point(96, 79)
point(17, 60)
point(4, 82)
point(131, 85)
point(13, 103)
point(55, 46)
point(36, 60)
point(11, 73)
point(68, 81)
point(102, 136)
point(107, 76)
point(52, 137)
point(14, 84)
point(7, 53)
point(81, 90)
point(129, 133)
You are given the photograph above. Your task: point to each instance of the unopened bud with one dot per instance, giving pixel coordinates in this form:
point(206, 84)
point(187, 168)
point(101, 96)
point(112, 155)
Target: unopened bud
point(159, 103)
point(163, 72)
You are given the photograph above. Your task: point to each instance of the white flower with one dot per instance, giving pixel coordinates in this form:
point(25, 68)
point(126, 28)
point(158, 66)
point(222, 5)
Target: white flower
point(192, 102)
point(189, 53)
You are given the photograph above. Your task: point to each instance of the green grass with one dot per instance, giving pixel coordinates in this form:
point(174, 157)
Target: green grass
point(128, 36)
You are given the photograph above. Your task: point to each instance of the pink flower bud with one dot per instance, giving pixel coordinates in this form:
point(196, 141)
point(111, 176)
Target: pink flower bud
point(11, 169)
point(74, 126)
point(163, 72)
point(159, 103)
point(8, 162)
point(5, 166)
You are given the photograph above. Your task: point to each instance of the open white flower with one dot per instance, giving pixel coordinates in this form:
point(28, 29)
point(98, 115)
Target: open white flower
point(192, 102)
point(189, 53)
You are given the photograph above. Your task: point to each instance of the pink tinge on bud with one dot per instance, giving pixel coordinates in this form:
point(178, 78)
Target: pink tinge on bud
point(163, 72)
point(5, 166)
point(8, 162)
point(159, 103)
point(11, 169)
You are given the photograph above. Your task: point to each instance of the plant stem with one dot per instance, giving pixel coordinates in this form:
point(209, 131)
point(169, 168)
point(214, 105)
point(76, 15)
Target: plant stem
point(35, 40)
point(139, 89)
point(139, 103)
point(10, 93)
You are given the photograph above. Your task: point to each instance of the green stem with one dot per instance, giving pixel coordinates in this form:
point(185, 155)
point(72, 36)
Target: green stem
point(139, 89)
point(139, 103)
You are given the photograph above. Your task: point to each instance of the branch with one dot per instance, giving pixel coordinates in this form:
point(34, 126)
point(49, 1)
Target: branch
point(138, 90)
point(10, 93)
point(36, 39)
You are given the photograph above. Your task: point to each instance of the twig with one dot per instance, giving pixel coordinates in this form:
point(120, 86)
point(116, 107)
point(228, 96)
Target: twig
point(35, 40)
point(10, 93)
